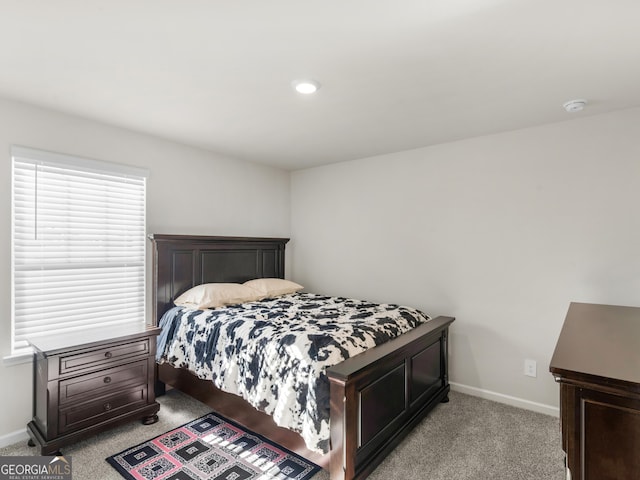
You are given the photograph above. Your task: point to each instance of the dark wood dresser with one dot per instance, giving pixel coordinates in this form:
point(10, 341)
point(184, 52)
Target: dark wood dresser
point(597, 363)
point(86, 382)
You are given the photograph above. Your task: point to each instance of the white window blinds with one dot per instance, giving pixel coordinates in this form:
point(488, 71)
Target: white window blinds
point(78, 230)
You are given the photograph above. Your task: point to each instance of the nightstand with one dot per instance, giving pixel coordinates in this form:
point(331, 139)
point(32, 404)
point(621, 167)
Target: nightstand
point(86, 382)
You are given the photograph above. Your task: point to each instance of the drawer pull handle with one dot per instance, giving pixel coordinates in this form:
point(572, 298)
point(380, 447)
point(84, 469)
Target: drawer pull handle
point(108, 354)
point(107, 406)
point(107, 379)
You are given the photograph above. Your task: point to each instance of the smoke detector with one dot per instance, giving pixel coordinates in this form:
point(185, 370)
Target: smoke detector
point(574, 105)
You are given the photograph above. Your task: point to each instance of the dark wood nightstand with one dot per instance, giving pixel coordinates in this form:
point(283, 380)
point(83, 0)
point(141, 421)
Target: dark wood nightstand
point(86, 382)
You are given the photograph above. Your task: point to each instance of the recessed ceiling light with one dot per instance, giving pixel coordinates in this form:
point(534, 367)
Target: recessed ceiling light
point(306, 87)
point(574, 105)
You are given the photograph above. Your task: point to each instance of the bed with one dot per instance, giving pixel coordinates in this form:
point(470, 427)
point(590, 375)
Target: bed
point(375, 397)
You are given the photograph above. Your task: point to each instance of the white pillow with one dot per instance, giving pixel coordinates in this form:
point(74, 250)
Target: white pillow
point(273, 287)
point(213, 295)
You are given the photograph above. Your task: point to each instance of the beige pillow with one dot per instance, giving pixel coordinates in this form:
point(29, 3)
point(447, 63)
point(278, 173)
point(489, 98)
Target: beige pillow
point(273, 287)
point(213, 295)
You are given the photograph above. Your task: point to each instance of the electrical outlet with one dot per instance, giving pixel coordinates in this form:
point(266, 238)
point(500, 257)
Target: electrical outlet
point(530, 368)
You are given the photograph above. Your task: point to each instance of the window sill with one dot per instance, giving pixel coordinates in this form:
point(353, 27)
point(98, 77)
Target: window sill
point(17, 359)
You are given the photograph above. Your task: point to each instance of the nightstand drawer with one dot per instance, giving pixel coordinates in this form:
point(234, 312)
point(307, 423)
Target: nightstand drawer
point(101, 356)
point(91, 413)
point(103, 382)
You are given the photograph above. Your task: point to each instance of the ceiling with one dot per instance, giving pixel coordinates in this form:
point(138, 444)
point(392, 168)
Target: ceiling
point(395, 75)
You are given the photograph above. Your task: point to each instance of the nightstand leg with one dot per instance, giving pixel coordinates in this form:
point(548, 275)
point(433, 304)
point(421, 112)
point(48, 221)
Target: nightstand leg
point(445, 399)
point(31, 443)
point(150, 420)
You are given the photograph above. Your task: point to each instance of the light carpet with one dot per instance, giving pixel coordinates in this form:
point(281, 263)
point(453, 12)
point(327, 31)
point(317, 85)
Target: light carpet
point(468, 438)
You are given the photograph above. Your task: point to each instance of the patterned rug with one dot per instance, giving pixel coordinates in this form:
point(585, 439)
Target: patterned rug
point(211, 447)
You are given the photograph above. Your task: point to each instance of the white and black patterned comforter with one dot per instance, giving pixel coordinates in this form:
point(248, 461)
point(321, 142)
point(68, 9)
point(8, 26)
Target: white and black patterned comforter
point(274, 353)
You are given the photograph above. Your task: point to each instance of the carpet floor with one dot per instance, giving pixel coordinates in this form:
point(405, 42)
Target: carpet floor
point(476, 440)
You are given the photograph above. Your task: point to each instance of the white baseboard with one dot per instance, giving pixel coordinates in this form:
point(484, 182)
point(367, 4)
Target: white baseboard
point(506, 399)
point(14, 437)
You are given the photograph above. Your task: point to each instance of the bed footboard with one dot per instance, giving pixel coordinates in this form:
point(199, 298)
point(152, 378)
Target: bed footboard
point(377, 397)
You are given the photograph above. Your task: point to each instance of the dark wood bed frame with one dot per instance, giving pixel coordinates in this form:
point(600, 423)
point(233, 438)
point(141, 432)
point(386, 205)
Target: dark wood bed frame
point(377, 397)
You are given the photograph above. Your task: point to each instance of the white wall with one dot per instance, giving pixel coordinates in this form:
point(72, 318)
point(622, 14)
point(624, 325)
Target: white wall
point(500, 231)
point(190, 191)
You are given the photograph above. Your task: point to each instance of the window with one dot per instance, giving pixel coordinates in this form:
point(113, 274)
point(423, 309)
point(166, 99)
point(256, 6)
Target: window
point(78, 244)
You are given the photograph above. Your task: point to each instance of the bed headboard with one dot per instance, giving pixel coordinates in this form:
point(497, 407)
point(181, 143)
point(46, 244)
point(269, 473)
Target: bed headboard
point(183, 261)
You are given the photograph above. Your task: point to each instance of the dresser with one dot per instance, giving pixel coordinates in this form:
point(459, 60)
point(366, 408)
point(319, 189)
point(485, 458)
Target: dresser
point(597, 364)
point(87, 382)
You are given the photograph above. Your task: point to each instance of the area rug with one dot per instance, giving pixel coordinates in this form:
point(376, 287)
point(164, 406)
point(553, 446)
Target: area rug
point(211, 447)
